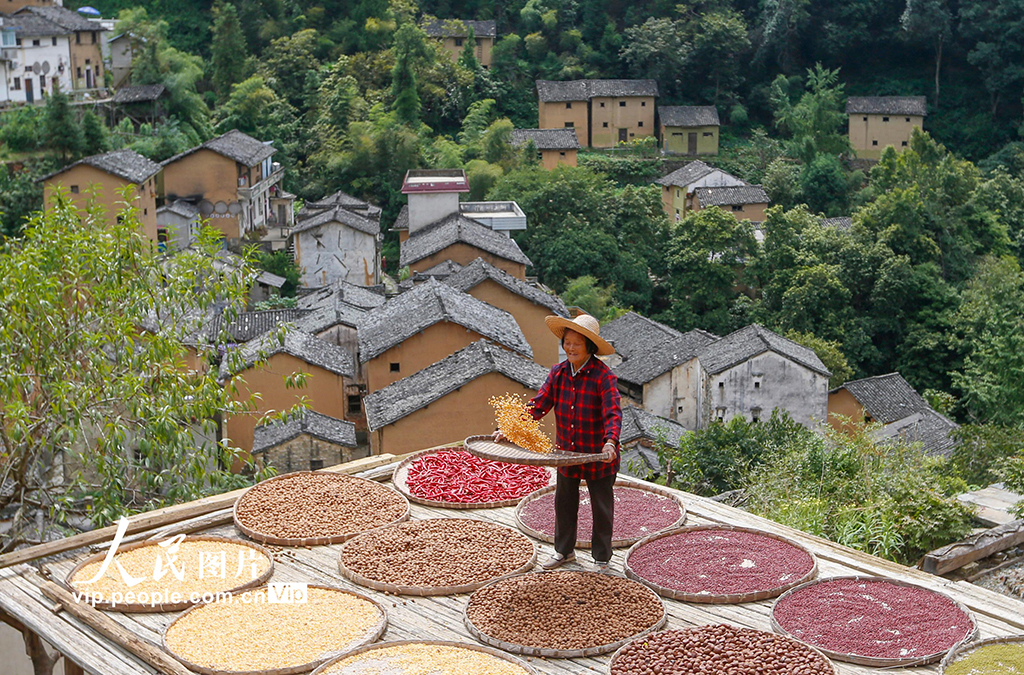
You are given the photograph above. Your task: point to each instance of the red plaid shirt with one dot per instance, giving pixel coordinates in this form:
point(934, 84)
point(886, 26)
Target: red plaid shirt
point(587, 413)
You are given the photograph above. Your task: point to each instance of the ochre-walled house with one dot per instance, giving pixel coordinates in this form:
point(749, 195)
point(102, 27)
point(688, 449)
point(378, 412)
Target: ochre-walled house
point(689, 129)
point(880, 121)
point(447, 401)
point(426, 324)
point(745, 202)
point(453, 34)
point(526, 303)
point(307, 441)
point(462, 240)
point(677, 187)
point(556, 146)
point(102, 177)
point(602, 112)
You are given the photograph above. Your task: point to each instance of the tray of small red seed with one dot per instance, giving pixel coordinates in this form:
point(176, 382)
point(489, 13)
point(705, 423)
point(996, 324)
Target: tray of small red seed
point(486, 447)
point(873, 621)
point(316, 508)
point(563, 614)
point(640, 510)
point(425, 657)
point(275, 630)
point(994, 656)
point(456, 479)
point(436, 556)
point(719, 564)
point(718, 650)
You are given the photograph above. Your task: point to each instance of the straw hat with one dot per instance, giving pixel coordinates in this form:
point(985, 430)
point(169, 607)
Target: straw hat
point(585, 325)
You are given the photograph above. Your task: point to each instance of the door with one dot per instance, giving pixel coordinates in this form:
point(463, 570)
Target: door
point(29, 96)
point(622, 135)
point(691, 143)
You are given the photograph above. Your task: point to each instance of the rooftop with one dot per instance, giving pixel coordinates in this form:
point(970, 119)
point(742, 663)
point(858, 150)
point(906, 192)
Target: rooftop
point(346, 200)
point(633, 334)
point(328, 316)
point(750, 341)
point(928, 427)
point(183, 208)
point(546, 139)
point(638, 424)
point(646, 365)
point(687, 175)
point(460, 28)
point(840, 223)
point(480, 270)
point(406, 396)
point(249, 325)
point(458, 228)
point(234, 145)
point(429, 303)
point(65, 18)
point(886, 398)
point(434, 180)
point(887, 105)
point(324, 427)
point(31, 24)
point(582, 90)
point(308, 348)
point(139, 93)
point(688, 115)
point(126, 164)
point(733, 195)
point(343, 292)
point(341, 215)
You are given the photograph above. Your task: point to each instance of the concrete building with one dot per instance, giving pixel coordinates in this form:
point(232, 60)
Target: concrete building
point(877, 122)
point(677, 187)
point(308, 441)
point(602, 112)
point(528, 304)
point(85, 47)
point(35, 58)
point(689, 129)
point(337, 244)
point(556, 146)
point(102, 177)
point(453, 34)
point(426, 324)
point(745, 202)
point(448, 400)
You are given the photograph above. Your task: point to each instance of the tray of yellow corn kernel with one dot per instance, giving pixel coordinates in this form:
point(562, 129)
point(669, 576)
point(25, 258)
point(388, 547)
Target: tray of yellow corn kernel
point(525, 442)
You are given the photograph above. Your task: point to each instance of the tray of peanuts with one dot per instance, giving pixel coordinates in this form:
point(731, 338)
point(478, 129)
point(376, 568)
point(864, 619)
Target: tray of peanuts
point(526, 443)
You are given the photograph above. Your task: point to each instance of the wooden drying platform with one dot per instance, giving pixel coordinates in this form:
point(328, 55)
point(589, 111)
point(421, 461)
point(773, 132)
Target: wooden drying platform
point(441, 618)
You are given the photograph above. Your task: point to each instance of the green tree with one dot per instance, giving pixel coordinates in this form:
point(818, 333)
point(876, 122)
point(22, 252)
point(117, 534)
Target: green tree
point(719, 39)
point(61, 128)
point(658, 49)
point(825, 186)
point(930, 22)
point(287, 62)
point(583, 292)
point(993, 29)
point(831, 354)
point(20, 195)
point(283, 265)
point(410, 48)
point(254, 108)
point(815, 121)
point(778, 28)
point(228, 51)
point(95, 137)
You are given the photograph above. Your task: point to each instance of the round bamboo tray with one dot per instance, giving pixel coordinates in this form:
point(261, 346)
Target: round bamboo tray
point(400, 479)
point(264, 538)
point(726, 598)
point(170, 606)
point(372, 635)
point(965, 647)
point(615, 656)
point(369, 649)
point(874, 661)
point(424, 591)
point(560, 653)
point(581, 543)
point(485, 447)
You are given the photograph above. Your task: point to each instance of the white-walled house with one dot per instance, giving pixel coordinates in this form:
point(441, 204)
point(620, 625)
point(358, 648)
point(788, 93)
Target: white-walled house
point(341, 242)
point(37, 60)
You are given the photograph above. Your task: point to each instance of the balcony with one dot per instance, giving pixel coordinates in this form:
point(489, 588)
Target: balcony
point(249, 193)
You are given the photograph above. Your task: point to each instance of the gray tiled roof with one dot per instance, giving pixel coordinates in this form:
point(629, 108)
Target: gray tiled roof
point(546, 139)
point(633, 334)
point(687, 175)
point(450, 28)
point(126, 164)
point(731, 195)
point(429, 303)
point(183, 208)
point(304, 346)
point(479, 270)
point(406, 396)
point(688, 115)
point(338, 214)
point(139, 93)
point(248, 325)
point(340, 198)
point(235, 145)
point(582, 90)
point(65, 18)
point(343, 292)
point(840, 223)
point(644, 366)
point(457, 228)
point(29, 24)
point(886, 398)
point(928, 427)
point(748, 342)
point(640, 462)
point(402, 219)
point(443, 269)
point(639, 424)
point(887, 105)
point(324, 427)
point(329, 316)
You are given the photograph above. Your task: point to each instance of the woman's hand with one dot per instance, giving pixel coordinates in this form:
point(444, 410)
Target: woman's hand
point(498, 437)
point(608, 447)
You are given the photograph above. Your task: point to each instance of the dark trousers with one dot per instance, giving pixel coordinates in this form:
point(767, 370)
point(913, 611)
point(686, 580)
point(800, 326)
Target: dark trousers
point(567, 506)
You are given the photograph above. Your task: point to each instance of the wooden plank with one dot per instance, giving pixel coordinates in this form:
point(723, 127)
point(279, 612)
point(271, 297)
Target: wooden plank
point(978, 546)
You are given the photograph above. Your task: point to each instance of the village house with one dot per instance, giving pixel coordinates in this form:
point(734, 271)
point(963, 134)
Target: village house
point(633, 335)
point(84, 44)
point(426, 324)
point(142, 104)
point(745, 202)
point(328, 366)
point(528, 304)
point(462, 240)
point(448, 400)
point(229, 178)
point(454, 33)
point(877, 122)
point(307, 441)
point(642, 434)
point(602, 112)
point(839, 223)
point(246, 326)
point(179, 223)
point(677, 187)
point(556, 146)
point(336, 244)
point(121, 50)
point(343, 292)
point(689, 129)
point(102, 177)
point(27, 40)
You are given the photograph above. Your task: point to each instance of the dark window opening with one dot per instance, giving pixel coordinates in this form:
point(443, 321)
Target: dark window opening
point(708, 133)
point(737, 207)
point(904, 144)
point(570, 125)
point(605, 125)
point(561, 154)
point(53, 41)
point(35, 43)
point(74, 189)
point(721, 385)
point(639, 124)
point(568, 105)
point(865, 118)
point(316, 464)
point(908, 119)
point(78, 38)
point(602, 104)
point(874, 142)
point(354, 404)
point(757, 385)
point(458, 42)
point(643, 104)
point(622, 104)
point(395, 368)
point(885, 119)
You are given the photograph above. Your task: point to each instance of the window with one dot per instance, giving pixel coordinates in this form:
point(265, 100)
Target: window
point(78, 38)
point(643, 104)
point(561, 154)
point(79, 69)
point(53, 41)
point(94, 37)
point(677, 212)
point(677, 192)
point(602, 104)
point(570, 125)
point(17, 83)
point(640, 123)
point(17, 41)
point(720, 414)
point(42, 83)
point(35, 43)
point(885, 119)
point(316, 464)
point(458, 42)
point(622, 104)
point(904, 144)
point(737, 207)
point(353, 404)
point(721, 385)
point(568, 105)
point(757, 384)
point(874, 142)
point(395, 368)
point(865, 118)
point(74, 189)
point(755, 415)
point(605, 125)
point(908, 119)
point(708, 133)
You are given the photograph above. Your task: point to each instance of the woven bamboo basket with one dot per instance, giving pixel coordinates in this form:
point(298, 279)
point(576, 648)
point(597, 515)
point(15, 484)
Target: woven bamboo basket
point(726, 598)
point(873, 661)
point(170, 606)
point(371, 635)
point(560, 653)
point(369, 649)
point(487, 448)
point(400, 479)
point(549, 537)
point(264, 538)
point(424, 591)
point(965, 647)
point(615, 656)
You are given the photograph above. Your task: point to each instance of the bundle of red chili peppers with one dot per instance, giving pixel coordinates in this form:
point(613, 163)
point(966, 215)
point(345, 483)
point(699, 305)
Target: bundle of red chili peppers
point(456, 476)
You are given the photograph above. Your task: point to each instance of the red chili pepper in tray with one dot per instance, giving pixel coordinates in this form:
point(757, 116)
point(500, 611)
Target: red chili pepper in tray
point(458, 477)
